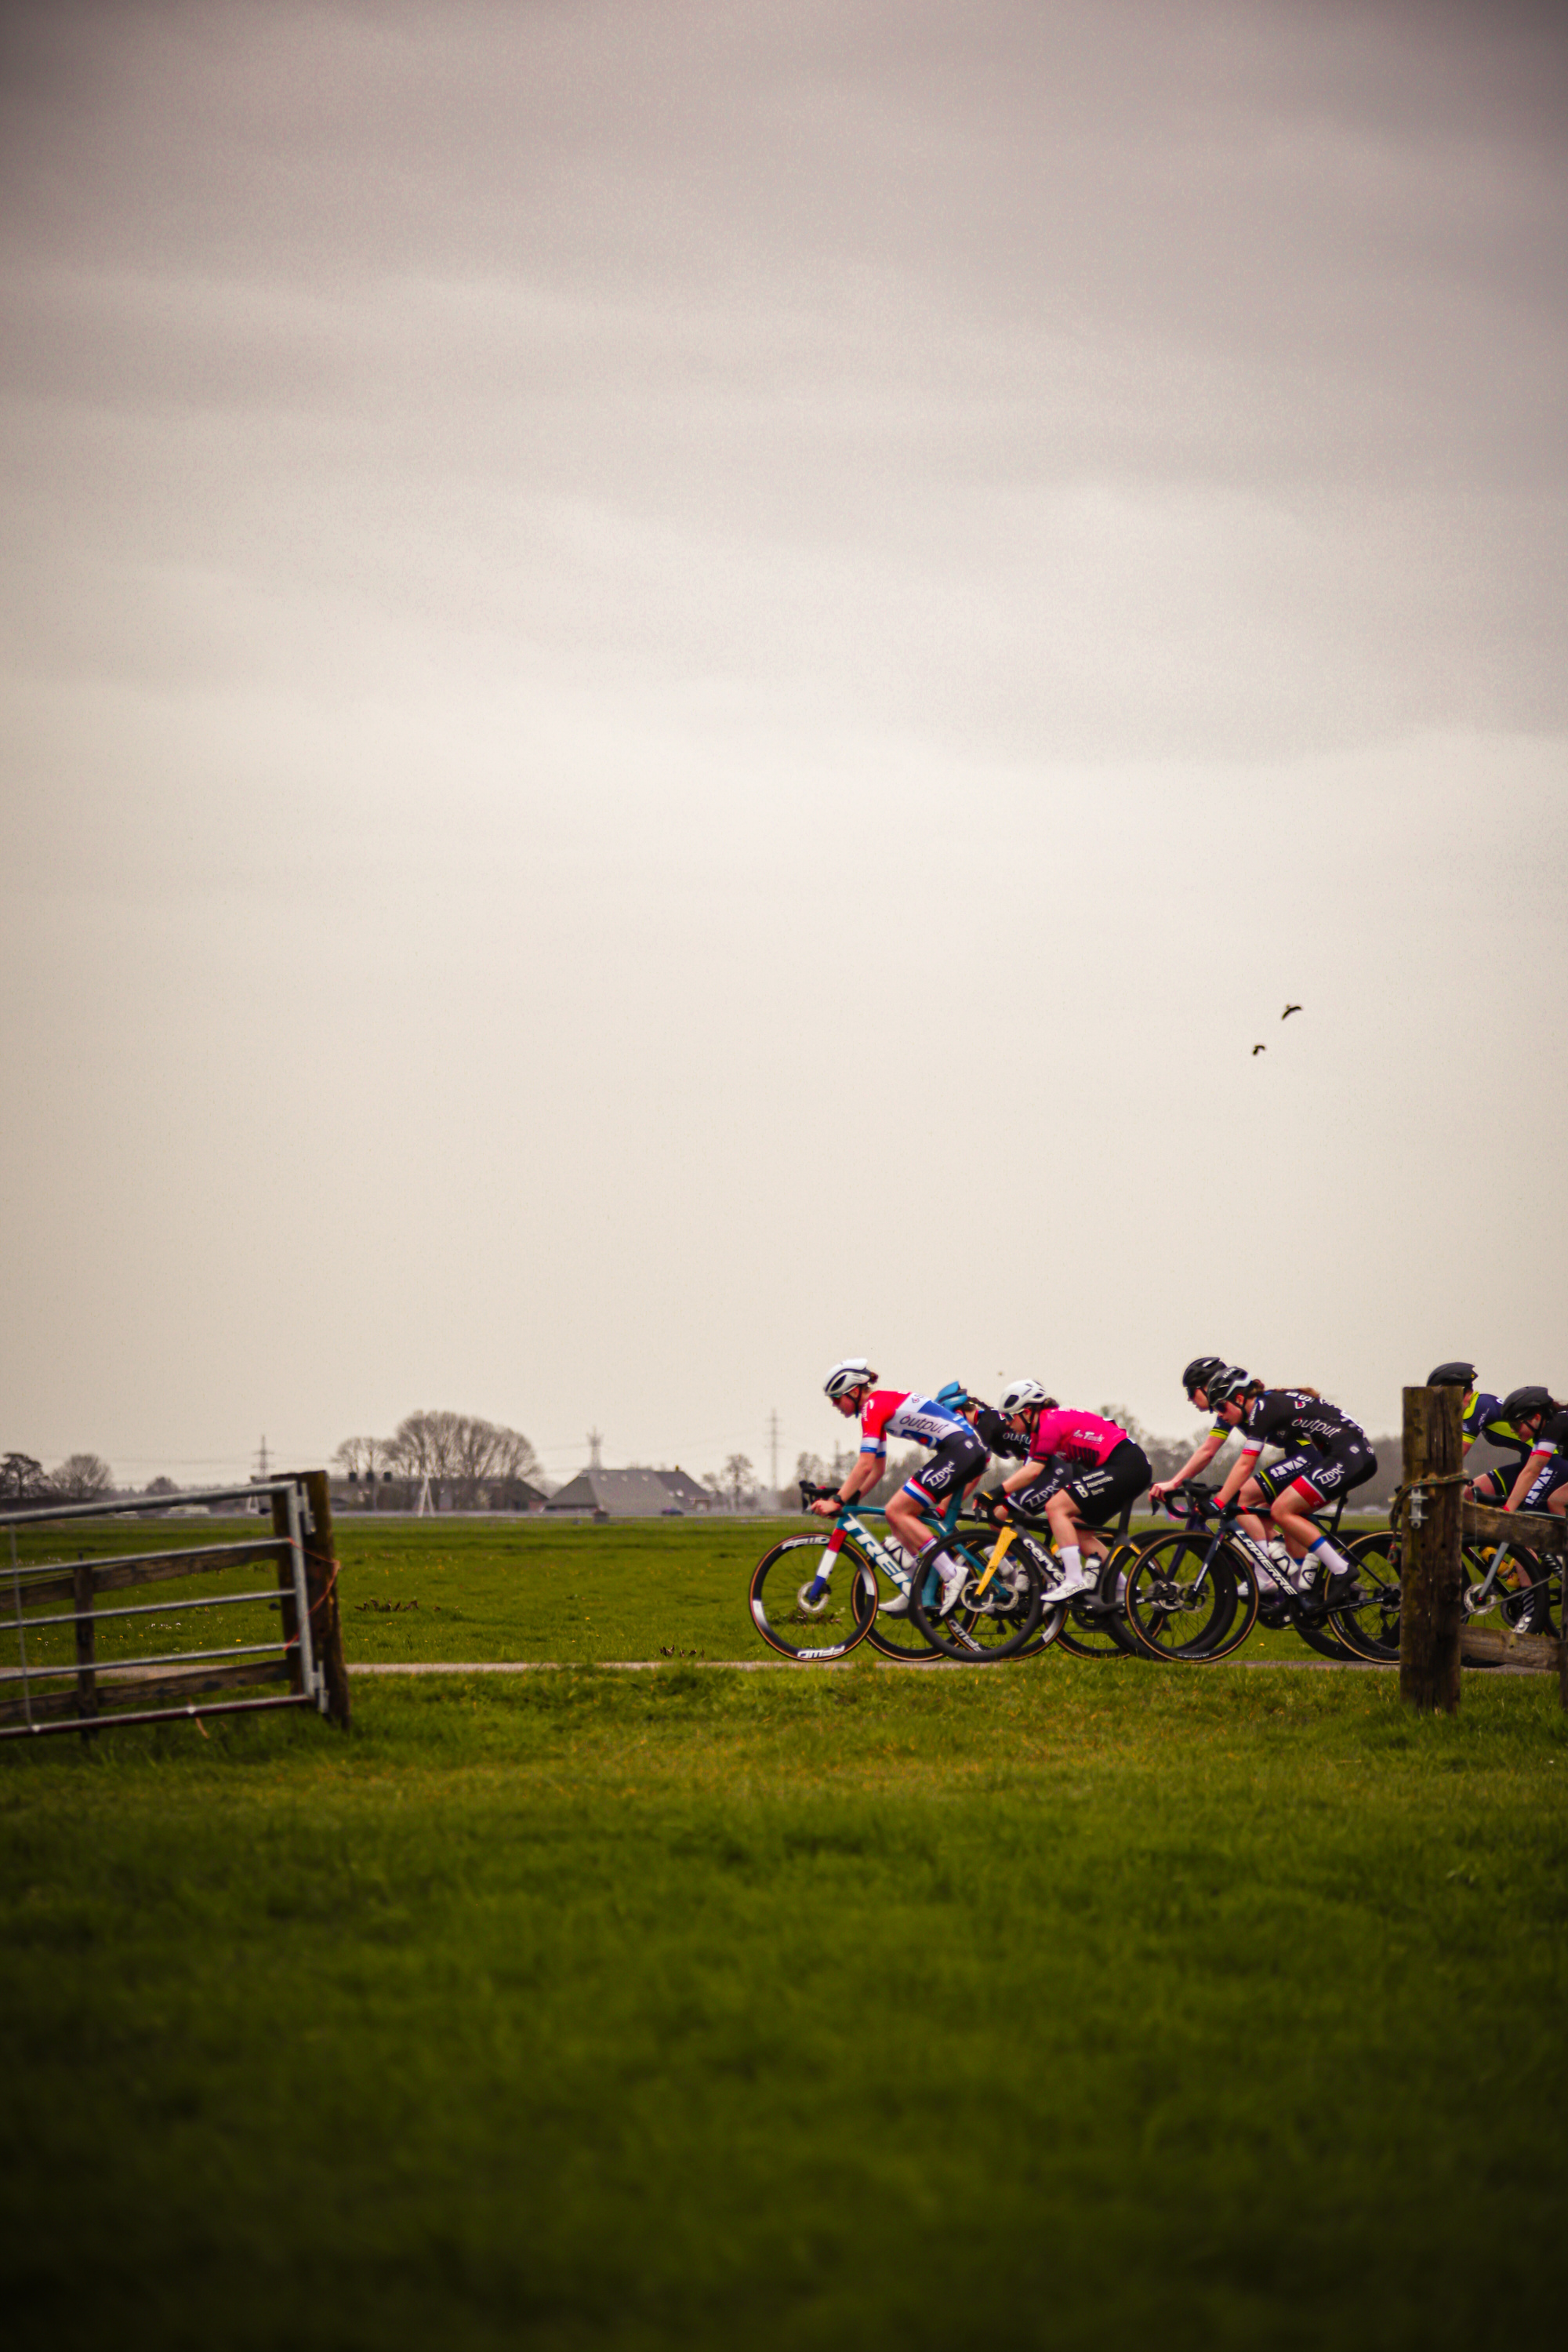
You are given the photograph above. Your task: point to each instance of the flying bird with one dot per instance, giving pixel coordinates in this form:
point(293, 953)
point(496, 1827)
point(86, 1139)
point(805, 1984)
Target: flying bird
point(1287, 1012)
point(1261, 1049)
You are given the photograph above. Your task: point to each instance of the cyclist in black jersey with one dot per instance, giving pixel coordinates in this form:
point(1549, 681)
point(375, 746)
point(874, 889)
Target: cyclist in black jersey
point(1482, 1415)
point(1543, 1421)
point(1196, 1380)
point(1326, 1453)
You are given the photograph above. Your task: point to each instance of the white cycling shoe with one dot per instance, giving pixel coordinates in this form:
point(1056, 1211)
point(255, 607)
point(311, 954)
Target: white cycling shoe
point(953, 1590)
point(898, 1606)
point(1071, 1585)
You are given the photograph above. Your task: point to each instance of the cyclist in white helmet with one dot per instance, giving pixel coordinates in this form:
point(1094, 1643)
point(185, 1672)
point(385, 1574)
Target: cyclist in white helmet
point(958, 1458)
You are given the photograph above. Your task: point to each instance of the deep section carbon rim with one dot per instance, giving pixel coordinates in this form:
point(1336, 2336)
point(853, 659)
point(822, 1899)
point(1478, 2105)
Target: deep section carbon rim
point(1180, 1608)
point(1000, 1608)
point(812, 1633)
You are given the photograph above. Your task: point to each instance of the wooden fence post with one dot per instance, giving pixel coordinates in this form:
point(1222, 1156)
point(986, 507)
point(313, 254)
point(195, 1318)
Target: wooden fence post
point(322, 1584)
point(1432, 1578)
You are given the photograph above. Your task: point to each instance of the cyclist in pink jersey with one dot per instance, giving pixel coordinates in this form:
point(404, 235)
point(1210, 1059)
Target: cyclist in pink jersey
point(958, 1459)
point(1107, 1469)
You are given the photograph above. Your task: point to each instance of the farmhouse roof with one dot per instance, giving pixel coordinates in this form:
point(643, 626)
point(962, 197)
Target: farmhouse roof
point(530, 1496)
point(623, 1493)
point(684, 1488)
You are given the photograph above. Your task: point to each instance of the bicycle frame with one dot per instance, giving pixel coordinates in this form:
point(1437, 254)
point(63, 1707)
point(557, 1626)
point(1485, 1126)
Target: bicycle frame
point(1477, 1598)
point(850, 1523)
point(1266, 1572)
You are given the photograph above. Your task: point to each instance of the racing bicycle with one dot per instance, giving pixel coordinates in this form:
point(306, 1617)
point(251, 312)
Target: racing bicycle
point(1093, 1623)
point(816, 1596)
point(1197, 1593)
point(1508, 1587)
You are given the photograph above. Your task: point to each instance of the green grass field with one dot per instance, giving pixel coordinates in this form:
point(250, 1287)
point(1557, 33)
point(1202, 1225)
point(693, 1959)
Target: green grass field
point(1062, 2005)
point(480, 1590)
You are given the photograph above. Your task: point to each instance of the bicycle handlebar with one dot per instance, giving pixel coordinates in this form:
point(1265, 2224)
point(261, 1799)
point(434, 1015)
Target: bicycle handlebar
point(1198, 1505)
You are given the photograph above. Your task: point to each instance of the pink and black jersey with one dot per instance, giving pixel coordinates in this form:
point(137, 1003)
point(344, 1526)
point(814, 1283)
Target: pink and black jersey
point(901, 1412)
point(1081, 1437)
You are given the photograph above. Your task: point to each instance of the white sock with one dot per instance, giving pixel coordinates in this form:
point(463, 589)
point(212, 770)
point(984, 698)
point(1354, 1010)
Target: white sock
point(1072, 1560)
point(1334, 1561)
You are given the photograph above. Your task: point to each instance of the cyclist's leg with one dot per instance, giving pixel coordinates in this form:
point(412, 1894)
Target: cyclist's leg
point(1080, 1507)
point(1116, 1486)
point(1307, 1482)
point(1287, 1493)
point(914, 1512)
point(909, 1519)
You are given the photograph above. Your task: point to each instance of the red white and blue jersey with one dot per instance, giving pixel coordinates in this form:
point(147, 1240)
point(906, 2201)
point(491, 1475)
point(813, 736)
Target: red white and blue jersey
point(901, 1412)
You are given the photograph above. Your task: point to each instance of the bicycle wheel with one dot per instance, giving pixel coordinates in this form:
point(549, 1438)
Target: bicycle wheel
point(1096, 1623)
point(1370, 1625)
point(895, 1637)
point(811, 1633)
point(1180, 1605)
point(1520, 1601)
point(1327, 1644)
point(999, 1610)
point(1052, 1626)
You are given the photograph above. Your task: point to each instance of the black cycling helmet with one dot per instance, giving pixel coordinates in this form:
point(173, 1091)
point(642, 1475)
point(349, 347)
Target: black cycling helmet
point(1524, 1405)
point(1227, 1386)
point(1199, 1372)
point(1452, 1376)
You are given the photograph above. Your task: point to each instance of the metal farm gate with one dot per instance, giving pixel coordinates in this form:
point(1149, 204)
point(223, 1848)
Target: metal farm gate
point(78, 1668)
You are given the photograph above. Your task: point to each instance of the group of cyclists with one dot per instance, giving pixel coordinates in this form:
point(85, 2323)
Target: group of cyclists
point(1076, 1471)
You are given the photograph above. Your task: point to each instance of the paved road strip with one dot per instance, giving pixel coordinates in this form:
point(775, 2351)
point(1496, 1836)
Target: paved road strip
point(782, 1666)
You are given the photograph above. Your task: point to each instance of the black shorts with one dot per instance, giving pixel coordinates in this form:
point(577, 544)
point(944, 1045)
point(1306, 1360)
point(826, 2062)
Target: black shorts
point(957, 1460)
point(1097, 1495)
point(1328, 1475)
point(1030, 1502)
point(1551, 1475)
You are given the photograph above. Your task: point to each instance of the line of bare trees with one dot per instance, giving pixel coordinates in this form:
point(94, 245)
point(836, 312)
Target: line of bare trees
point(80, 1478)
point(460, 1453)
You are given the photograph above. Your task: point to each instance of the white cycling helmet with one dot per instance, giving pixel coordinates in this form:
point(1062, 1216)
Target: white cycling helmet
point(1022, 1396)
point(854, 1372)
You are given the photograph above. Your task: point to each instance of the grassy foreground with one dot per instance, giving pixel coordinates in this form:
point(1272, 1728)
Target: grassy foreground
point(1062, 2007)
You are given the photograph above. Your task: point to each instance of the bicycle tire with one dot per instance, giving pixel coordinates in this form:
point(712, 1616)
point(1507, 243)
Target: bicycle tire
point(778, 1582)
point(998, 1629)
point(897, 1639)
point(1052, 1626)
point(1093, 1630)
point(1325, 1643)
point(1510, 1611)
point(1370, 1627)
point(1172, 1621)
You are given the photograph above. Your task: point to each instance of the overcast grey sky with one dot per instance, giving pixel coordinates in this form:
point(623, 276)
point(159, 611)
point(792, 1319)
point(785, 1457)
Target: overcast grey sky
point(682, 680)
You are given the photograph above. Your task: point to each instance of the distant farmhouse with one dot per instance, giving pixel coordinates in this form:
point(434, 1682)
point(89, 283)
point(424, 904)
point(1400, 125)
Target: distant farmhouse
point(632, 1494)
